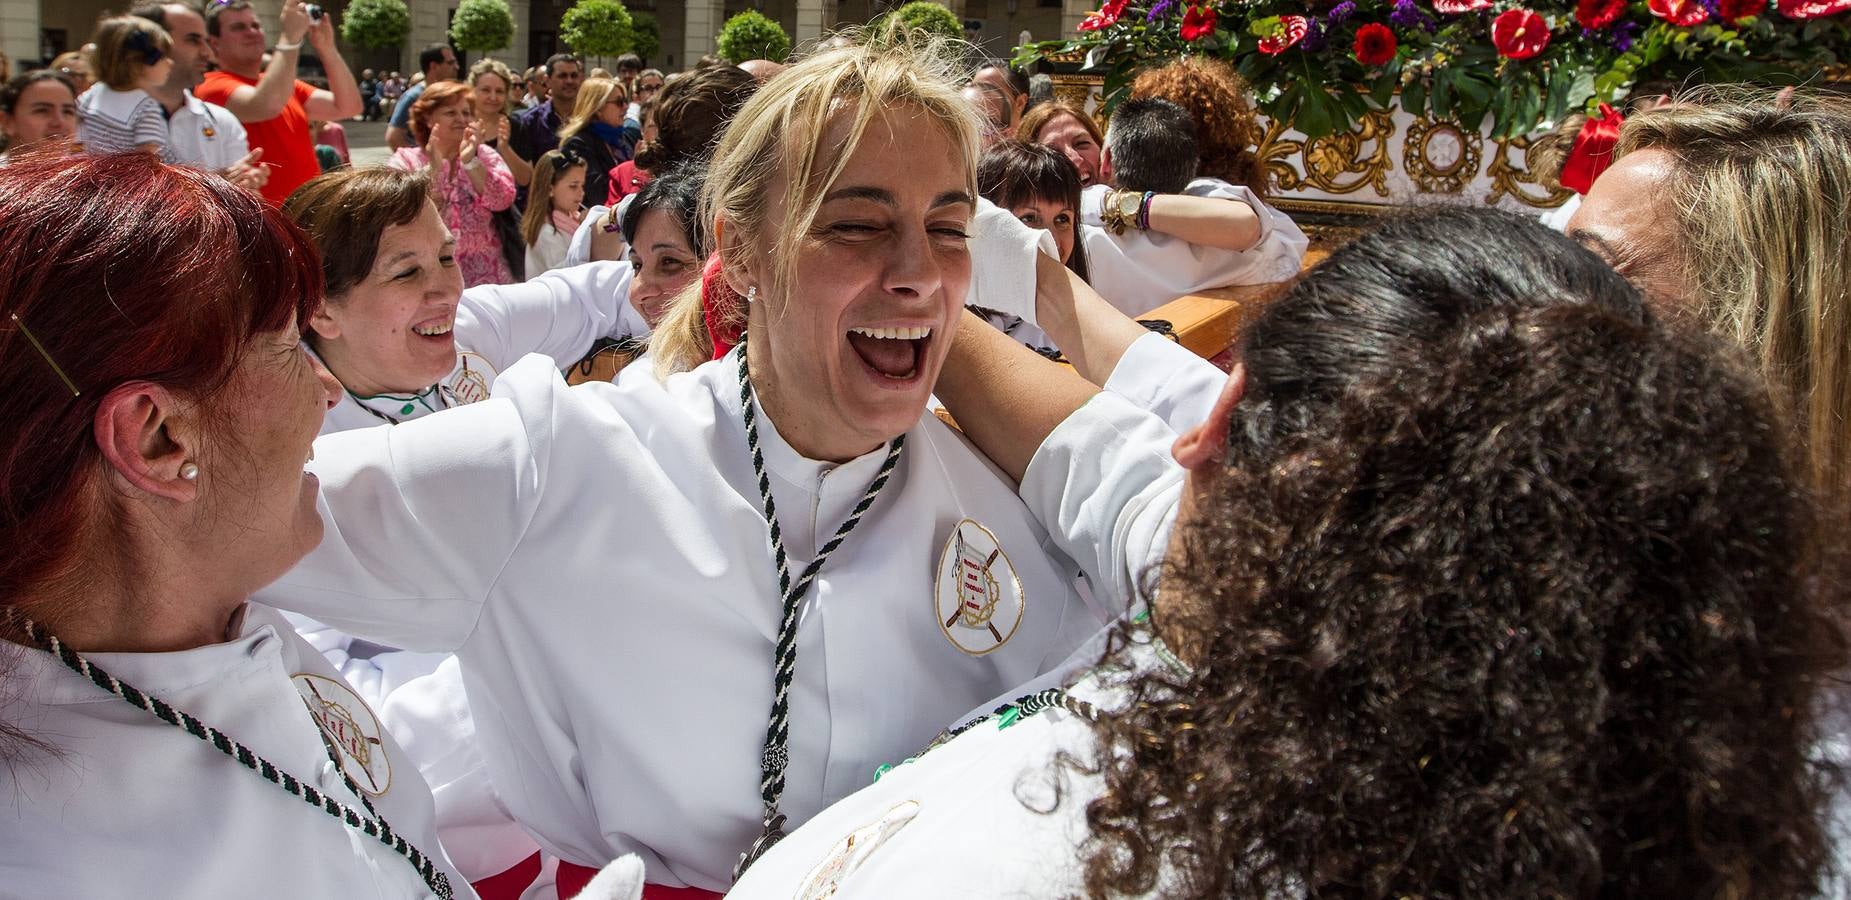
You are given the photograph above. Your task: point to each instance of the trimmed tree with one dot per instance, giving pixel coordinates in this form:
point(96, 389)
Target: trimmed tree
point(376, 23)
point(750, 35)
point(598, 28)
point(482, 25)
point(922, 15)
point(646, 41)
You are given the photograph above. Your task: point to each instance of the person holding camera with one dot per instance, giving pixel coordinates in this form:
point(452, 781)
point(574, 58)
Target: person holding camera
point(273, 104)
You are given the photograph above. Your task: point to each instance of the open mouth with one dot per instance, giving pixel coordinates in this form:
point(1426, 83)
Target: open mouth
point(891, 354)
point(435, 328)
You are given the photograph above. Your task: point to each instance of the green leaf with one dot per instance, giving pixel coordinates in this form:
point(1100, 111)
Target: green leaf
point(1414, 97)
point(1318, 116)
point(1442, 94)
point(750, 35)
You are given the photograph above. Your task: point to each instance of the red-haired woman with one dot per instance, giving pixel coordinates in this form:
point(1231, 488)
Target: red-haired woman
point(159, 408)
point(470, 180)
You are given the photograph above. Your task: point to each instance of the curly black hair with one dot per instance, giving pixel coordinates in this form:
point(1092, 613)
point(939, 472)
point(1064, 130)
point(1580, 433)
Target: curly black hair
point(1507, 590)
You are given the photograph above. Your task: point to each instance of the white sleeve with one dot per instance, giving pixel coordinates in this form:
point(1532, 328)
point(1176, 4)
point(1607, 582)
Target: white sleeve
point(559, 313)
point(1276, 256)
point(578, 252)
point(1163, 377)
point(420, 518)
point(1106, 487)
point(1003, 251)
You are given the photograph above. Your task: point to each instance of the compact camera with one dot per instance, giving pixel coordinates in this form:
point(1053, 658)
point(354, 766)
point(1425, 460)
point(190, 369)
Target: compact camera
point(314, 13)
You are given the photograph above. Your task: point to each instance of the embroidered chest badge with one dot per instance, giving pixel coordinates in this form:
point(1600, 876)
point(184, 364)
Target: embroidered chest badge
point(470, 382)
point(978, 599)
point(351, 729)
point(826, 878)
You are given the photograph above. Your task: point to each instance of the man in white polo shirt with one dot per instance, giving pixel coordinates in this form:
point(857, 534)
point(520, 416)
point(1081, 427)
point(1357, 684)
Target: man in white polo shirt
point(199, 133)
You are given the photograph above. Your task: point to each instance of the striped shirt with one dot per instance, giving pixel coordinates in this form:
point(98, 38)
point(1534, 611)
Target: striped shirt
point(110, 121)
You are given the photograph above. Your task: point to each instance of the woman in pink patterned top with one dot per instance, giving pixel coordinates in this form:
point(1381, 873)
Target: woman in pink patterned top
point(469, 180)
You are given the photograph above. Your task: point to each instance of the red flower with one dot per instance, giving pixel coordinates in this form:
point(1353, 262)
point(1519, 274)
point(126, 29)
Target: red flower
point(1734, 11)
point(1291, 30)
point(1198, 23)
point(1682, 13)
point(1455, 7)
point(1106, 16)
point(1811, 9)
point(1597, 14)
point(1375, 45)
point(1519, 33)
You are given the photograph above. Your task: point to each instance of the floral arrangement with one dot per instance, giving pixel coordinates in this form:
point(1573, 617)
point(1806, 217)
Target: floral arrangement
point(1324, 64)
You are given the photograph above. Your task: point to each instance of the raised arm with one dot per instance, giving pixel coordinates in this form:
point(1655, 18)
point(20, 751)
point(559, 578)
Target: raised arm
point(266, 99)
point(1005, 397)
point(560, 313)
point(342, 99)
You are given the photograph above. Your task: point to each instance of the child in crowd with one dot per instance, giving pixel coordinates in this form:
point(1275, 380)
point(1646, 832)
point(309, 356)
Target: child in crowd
point(554, 211)
point(116, 113)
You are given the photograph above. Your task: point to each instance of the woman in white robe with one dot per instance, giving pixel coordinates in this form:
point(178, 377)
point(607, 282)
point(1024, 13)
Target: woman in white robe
point(160, 408)
point(651, 668)
point(1460, 533)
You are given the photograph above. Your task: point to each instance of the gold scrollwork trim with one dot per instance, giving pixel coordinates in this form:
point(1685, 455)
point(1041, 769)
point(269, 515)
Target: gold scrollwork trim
point(1508, 180)
point(1327, 159)
point(1435, 179)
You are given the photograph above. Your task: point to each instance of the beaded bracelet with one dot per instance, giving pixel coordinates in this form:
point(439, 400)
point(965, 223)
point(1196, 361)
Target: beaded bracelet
point(1144, 211)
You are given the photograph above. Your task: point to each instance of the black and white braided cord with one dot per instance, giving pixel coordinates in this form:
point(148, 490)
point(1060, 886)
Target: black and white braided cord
point(776, 755)
point(374, 827)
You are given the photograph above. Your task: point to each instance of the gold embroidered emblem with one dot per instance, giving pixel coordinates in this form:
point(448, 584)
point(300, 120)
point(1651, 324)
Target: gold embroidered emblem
point(350, 729)
point(979, 599)
point(470, 382)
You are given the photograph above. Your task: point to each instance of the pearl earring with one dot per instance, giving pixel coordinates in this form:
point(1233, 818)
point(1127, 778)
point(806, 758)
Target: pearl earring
point(189, 471)
point(751, 294)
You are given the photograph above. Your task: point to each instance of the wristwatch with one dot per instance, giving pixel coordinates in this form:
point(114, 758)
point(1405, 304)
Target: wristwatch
point(1120, 210)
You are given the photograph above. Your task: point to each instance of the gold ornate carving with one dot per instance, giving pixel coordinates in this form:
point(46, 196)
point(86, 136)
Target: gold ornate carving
point(1325, 161)
point(1508, 179)
point(1426, 162)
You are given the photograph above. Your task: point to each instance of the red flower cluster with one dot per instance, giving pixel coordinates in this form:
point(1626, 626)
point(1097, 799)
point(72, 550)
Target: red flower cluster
point(1292, 29)
point(1811, 9)
point(1105, 17)
point(1519, 33)
point(1198, 23)
point(1682, 13)
point(1375, 45)
point(1595, 15)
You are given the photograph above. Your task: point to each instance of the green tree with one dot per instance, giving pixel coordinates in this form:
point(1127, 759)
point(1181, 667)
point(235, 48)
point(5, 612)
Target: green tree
point(647, 41)
point(922, 15)
point(482, 25)
point(598, 28)
point(376, 23)
point(750, 35)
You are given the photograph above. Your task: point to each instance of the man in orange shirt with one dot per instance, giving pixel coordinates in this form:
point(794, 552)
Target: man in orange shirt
point(273, 105)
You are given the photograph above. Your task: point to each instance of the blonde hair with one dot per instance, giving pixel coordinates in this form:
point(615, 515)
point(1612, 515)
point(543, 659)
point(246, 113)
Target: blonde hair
point(500, 70)
point(775, 138)
point(592, 95)
point(1762, 194)
point(119, 65)
point(547, 171)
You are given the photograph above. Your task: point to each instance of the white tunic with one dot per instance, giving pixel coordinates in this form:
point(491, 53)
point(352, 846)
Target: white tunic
point(134, 807)
point(598, 558)
point(1140, 271)
point(560, 313)
point(1163, 377)
point(979, 816)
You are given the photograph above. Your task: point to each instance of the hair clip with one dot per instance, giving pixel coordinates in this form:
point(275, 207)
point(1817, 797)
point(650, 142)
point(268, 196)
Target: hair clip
point(46, 354)
point(142, 42)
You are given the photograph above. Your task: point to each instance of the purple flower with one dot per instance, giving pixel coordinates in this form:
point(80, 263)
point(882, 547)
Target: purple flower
point(1623, 34)
point(1314, 39)
point(1160, 9)
point(1407, 15)
point(1342, 12)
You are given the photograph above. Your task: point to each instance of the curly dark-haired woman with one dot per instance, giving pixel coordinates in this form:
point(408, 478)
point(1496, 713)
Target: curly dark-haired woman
point(1483, 584)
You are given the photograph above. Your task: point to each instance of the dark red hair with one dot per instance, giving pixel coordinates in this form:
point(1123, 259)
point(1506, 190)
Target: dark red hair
point(124, 269)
